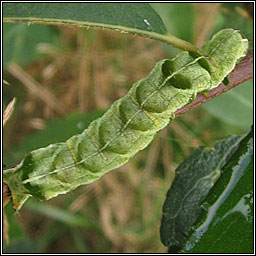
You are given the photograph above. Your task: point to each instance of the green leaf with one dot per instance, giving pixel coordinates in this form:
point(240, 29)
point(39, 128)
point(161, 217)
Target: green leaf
point(227, 223)
point(62, 215)
point(234, 107)
point(194, 179)
point(136, 18)
point(21, 41)
point(103, 14)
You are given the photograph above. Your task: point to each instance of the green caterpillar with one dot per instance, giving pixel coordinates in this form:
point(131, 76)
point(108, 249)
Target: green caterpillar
point(129, 125)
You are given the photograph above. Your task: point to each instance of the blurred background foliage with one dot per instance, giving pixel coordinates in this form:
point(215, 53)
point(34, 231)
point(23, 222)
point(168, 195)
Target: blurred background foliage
point(63, 78)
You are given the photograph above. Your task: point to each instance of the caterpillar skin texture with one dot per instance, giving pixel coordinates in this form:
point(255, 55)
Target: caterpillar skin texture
point(129, 125)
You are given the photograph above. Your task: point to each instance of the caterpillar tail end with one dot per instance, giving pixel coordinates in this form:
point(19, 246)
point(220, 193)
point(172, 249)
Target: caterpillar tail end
point(18, 193)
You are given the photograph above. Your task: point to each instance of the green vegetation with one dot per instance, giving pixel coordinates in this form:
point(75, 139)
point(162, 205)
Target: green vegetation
point(68, 75)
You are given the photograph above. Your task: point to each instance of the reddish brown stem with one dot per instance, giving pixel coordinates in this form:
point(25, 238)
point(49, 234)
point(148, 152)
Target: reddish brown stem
point(243, 72)
point(6, 194)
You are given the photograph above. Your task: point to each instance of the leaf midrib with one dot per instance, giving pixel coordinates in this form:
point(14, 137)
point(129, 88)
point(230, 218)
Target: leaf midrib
point(166, 38)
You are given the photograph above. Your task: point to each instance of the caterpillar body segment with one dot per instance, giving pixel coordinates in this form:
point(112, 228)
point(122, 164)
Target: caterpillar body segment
point(129, 125)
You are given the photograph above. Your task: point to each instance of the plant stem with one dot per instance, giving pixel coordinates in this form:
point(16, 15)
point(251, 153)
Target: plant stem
point(242, 73)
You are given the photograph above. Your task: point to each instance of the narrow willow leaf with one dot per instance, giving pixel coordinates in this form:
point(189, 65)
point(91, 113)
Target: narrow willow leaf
point(129, 125)
point(193, 181)
point(226, 225)
point(135, 18)
point(109, 15)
